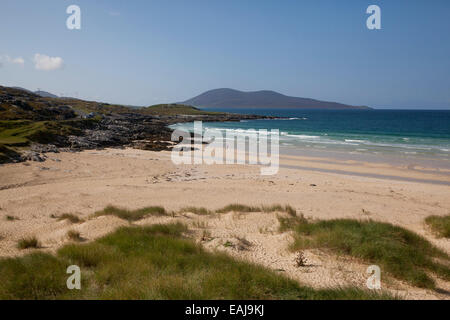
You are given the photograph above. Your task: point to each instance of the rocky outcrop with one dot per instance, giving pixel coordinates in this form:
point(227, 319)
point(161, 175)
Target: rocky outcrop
point(139, 131)
point(75, 125)
point(122, 130)
point(33, 156)
point(44, 148)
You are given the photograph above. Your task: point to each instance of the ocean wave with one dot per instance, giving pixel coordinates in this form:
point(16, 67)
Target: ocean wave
point(288, 119)
point(351, 142)
point(301, 136)
point(400, 146)
point(243, 132)
point(357, 141)
point(318, 140)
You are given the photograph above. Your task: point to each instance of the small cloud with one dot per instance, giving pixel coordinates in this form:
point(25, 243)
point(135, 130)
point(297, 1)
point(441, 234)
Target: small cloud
point(114, 13)
point(19, 60)
point(7, 59)
point(46, 63)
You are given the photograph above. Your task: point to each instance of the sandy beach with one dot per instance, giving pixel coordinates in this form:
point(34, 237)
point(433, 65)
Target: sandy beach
point(83, 183)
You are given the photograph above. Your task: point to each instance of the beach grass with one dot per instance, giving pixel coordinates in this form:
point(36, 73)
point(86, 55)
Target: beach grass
point(74, 235)
point(27, 243)
point(245, 208)
point(238, 208)
point(287, 223)
point(279, 208)
point(132, 215)
point(440, 225)
point(34, 276)
point(241, 208)
point(155, 262)
point(71, 217)
point(400, 252)
point(135, 215)
point(201, 211)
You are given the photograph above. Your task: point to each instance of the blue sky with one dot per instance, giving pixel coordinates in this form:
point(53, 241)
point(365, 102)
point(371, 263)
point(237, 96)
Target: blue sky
point(142, 52)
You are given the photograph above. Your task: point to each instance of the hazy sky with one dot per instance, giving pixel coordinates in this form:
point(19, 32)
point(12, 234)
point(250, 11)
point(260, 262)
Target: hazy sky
point(153, 51)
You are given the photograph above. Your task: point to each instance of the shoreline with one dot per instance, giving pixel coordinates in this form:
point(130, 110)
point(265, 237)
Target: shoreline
point(399, 159)
point(406, 171)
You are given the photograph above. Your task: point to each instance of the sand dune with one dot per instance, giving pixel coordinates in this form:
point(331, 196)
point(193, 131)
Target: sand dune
point(82, 183)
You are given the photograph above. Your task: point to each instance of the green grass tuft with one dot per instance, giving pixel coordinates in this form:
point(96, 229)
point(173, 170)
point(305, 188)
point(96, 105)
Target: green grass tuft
point(238, 208)
point(398, 251)
point(27, 243)
point(244, 208)
point(71, 217)
point(132, 215)
point(279, 208)
point(287, 223)
point(440, 225)
point(74, 236)
point(197, 210)
point(34, 276)
point(155, 262)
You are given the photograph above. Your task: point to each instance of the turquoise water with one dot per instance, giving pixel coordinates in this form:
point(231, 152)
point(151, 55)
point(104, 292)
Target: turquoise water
point(395, 132)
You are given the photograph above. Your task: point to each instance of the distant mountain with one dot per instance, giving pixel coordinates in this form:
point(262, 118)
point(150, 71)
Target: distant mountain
point(230, 98)
point(45, 94)
point(23, 89)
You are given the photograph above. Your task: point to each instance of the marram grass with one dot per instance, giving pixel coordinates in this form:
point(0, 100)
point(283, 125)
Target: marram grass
point(398, 251)
point(440, 225)
point(155, 262)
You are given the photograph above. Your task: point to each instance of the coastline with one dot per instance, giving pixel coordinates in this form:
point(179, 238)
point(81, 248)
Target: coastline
point(379, 167)
point(395, 134)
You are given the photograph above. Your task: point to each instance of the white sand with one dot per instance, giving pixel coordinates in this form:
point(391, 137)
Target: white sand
point(83, 183)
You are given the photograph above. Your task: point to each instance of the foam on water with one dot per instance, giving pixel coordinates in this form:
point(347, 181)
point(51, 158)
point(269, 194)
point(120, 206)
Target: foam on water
point(411, 133)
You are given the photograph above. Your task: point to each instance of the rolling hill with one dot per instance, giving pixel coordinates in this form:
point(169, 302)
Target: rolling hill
point(41, 93)
point(45, 94)
point(230, 98)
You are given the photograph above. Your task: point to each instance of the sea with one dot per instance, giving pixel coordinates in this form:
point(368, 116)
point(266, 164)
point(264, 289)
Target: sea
point(398, 135)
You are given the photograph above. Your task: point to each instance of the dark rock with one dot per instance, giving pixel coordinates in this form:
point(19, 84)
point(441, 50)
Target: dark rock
point(33, 156)
point(44, 148)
